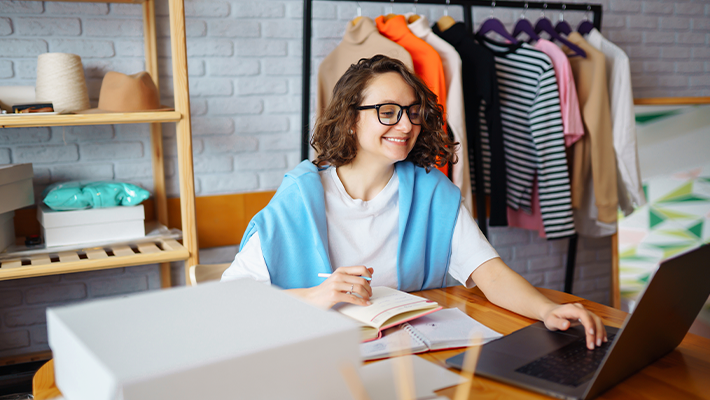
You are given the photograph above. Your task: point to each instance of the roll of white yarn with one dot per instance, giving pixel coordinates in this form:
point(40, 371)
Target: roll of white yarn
point(60, 80)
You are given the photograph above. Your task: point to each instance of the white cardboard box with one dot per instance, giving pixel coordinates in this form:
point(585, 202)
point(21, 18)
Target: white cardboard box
point(231, 340)
point(60, 228)
point(7, 229)
point(16, 189)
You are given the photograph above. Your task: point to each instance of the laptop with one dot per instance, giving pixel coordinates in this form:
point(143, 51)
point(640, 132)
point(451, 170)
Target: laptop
point(558, 363)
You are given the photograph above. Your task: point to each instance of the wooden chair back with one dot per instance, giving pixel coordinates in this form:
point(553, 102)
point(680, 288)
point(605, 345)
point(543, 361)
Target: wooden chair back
point(201, 273)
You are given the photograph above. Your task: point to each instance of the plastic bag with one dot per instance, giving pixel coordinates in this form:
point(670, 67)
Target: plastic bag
point(78, 195)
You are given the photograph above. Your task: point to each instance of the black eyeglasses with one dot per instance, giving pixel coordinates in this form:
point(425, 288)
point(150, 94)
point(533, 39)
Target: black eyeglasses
point(390, 113)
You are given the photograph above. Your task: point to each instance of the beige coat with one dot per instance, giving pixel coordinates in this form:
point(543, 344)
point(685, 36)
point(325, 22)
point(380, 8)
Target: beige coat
point(594, 153)
point(361, 40)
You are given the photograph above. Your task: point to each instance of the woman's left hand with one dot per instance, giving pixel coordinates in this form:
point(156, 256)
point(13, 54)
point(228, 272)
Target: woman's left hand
point(561, 317)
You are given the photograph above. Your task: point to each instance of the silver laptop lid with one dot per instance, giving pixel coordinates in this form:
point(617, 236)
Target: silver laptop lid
point(666, 310)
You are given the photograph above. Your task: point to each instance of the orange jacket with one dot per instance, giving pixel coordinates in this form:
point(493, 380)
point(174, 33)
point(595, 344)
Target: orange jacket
point(427, 62)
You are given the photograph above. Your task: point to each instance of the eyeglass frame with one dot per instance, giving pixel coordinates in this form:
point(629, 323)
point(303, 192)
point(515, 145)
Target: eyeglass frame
point(403, 110)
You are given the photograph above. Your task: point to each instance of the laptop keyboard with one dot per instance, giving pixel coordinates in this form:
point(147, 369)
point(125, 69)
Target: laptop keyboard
point(571, 365)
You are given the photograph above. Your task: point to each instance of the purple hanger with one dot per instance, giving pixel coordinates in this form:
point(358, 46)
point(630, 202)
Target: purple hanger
point(493, 24)
point(562, 26)
point(586, 25)
point(544, 24)
point(524, 26)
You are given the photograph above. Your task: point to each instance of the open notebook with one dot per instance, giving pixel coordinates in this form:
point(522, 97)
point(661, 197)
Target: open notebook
point(444, 329)
point(390, 307)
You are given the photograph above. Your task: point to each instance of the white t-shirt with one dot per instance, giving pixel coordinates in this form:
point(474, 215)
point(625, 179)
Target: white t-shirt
point(366, 233)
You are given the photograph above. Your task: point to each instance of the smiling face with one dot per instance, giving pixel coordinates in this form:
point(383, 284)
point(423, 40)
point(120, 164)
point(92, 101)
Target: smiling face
point(381, 144)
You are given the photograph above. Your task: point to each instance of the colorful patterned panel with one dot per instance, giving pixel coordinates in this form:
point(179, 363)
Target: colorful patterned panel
point(675, 220)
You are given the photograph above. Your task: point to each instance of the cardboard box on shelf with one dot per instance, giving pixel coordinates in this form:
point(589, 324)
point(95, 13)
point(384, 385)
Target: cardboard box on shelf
point(16, 189)
point(221, 340)
point(60, 228)
point(7, 229)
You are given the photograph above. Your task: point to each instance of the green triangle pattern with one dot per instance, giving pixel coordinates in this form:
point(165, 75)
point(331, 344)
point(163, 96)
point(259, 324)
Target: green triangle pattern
point(645, 190)
point(655, 218)
point(671, 250)
point(665, 247)
point(636, 257)
point(684, 190)
point(645, 278)
point(672, 214)
point(682, 199)
point(679, 233)
point(645, 118)
point(697, 229)
point(628, 253)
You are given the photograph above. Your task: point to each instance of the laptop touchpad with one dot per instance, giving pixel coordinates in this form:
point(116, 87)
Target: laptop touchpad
point(533, 340)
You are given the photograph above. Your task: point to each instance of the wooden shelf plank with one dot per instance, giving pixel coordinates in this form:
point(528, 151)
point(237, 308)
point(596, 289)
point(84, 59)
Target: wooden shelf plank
point(89, 119)
point(43, 265)
point(100, 1)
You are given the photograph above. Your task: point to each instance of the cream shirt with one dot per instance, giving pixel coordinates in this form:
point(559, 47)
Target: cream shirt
point(460, 174)
point(621, 99)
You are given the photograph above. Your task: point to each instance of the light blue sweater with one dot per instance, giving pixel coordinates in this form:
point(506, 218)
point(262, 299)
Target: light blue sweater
point(293, 233)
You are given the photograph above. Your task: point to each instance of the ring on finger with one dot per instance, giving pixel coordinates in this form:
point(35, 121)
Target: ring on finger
point(351, 288)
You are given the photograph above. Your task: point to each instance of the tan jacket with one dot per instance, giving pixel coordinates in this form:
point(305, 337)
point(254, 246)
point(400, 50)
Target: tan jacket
point(361, 40)
point(594, 153)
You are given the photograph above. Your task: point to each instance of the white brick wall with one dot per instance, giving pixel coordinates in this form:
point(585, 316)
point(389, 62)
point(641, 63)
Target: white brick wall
point(23, 302)
point(244, 69)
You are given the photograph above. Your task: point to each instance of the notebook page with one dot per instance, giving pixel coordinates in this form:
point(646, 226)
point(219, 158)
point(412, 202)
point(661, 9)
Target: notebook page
point(391, 342)
point(450, 328)
point(386, 303)
point(379, 379)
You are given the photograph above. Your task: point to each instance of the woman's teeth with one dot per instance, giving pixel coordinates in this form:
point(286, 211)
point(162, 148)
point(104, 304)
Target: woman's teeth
point(396, 140)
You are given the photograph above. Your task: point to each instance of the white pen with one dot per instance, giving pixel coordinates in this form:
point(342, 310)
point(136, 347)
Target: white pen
point(328, 275)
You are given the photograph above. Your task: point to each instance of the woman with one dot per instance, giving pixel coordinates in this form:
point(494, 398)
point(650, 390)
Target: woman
point(372, 206)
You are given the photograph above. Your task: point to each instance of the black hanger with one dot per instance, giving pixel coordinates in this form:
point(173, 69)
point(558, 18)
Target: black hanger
point(586, 25)
point(524, 26)
point(562, 26)
point(545, 25)
point(493, 24)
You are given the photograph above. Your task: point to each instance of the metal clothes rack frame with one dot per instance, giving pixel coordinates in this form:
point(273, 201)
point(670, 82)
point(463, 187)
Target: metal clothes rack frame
point(595, 9)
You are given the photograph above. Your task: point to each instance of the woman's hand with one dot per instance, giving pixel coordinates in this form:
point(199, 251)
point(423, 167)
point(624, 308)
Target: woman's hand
point(345, 285)
point(561, 317)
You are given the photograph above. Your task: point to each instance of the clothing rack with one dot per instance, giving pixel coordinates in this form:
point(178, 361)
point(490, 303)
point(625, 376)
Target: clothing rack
point(595, 9)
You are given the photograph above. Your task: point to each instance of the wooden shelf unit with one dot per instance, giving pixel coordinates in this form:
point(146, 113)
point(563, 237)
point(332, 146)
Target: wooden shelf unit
point(88, 259)
point(26, 121)
point(171, 250)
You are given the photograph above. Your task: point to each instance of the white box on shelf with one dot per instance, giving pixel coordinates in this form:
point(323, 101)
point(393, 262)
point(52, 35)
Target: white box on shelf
point(7, 229)
point(61, 228)
point(16, 189)
point(221, 340)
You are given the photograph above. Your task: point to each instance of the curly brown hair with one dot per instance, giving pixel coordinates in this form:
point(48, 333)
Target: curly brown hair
point(335, 145)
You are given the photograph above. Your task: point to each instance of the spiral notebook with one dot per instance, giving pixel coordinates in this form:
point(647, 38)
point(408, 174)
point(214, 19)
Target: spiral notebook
point(444, 329)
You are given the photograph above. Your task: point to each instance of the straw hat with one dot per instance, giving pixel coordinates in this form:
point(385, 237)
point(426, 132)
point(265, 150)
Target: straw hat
point(127, 93)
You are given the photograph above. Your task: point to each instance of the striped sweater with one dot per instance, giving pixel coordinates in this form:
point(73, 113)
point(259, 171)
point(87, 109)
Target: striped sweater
point(532, 134)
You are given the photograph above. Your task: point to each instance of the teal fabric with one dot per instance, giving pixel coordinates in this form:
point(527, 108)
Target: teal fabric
point(78, 195)
point(293, 234)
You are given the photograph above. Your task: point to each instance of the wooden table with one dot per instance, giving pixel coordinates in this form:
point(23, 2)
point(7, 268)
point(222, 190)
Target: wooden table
point(682, 374)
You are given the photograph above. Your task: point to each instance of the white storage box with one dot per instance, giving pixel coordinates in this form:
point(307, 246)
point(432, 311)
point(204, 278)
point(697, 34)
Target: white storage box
point(16, 187)
point(233, 340)
point(61, 228)
point(7, 229)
